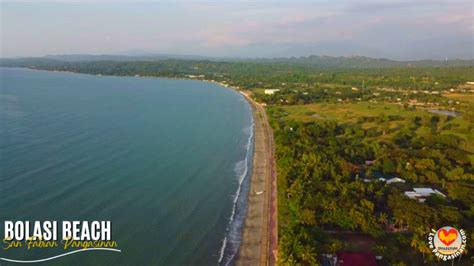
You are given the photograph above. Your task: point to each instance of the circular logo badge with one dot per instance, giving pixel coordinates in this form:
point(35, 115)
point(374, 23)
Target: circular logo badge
point(447, 240)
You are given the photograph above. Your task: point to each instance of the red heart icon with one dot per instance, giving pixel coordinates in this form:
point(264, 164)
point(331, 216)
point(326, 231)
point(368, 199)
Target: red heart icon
point(447, 237)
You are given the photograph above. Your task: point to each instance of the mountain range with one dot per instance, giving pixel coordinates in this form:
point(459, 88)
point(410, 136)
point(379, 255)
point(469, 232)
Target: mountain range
point(312, 60)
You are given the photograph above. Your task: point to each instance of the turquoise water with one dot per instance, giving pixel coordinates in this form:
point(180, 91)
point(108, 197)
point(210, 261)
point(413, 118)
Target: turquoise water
point(161, 159)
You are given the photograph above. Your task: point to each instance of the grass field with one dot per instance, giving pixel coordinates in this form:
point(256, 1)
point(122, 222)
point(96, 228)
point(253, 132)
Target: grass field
point(345, 112)
point(352, 112)
point(469, 98)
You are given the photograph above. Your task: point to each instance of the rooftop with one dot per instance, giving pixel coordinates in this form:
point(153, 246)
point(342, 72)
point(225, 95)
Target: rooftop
point(424, 191)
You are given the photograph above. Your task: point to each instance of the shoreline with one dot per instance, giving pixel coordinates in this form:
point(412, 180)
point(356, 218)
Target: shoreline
point(259, 242)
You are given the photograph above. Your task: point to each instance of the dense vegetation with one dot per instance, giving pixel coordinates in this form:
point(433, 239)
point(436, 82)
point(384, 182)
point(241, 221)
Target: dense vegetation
point(326, 187)
point(253, 75)
point(339, 126)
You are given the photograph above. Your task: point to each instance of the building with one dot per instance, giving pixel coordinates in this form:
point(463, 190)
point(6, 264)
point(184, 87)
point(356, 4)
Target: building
point(271, 91)
point(421, 194)
point(380, 179)
point(195, 76)
point(395, 180)
point(428, 191)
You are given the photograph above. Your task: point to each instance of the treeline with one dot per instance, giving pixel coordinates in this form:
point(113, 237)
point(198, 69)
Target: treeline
point(254, 75)
point(364, 62)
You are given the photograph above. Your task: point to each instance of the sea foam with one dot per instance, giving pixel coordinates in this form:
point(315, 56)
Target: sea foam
point(231, 241)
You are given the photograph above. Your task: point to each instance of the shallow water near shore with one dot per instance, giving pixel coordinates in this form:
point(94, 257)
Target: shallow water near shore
point(162, 159)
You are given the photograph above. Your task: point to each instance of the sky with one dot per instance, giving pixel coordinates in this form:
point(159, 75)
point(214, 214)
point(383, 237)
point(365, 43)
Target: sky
point(398, 29)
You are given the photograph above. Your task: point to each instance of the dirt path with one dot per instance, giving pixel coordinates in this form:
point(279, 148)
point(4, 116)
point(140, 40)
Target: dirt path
point(260, 234)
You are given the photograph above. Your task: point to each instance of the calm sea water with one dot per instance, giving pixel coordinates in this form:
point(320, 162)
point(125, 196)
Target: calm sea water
point(162, 159)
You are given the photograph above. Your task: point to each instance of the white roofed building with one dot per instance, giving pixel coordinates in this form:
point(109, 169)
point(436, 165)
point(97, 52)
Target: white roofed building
point(271, 91)
point(421, 194)
point(395, 180)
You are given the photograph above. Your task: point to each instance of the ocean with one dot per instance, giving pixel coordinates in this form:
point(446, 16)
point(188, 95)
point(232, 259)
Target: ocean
point(166, 161)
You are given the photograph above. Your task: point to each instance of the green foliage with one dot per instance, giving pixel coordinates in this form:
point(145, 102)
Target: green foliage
point(330, 117)
point(321, 165)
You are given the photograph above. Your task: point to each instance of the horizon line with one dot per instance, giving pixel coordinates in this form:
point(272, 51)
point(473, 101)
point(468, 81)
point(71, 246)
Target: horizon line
point(206, 57)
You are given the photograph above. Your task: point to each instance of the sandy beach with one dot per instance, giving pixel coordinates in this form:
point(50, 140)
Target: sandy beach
point(260, 234)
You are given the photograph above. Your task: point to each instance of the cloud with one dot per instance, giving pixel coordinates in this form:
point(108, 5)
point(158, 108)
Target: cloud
point(240, 28)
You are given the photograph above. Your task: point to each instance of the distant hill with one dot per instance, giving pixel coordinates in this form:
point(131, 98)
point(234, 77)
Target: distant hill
point(308, 61)
point(106, 57)
point(363, 62)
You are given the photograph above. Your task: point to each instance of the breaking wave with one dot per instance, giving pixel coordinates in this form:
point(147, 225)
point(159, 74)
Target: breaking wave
point(231, 241)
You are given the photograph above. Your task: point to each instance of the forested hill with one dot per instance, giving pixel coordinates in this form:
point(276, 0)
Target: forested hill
point(312, 61)
point(364, 62)
point(107, 57)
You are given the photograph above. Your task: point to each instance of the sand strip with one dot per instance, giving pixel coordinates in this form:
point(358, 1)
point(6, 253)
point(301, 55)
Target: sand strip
point(260, 234)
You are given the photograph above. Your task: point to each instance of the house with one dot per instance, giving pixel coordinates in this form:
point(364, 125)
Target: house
point(380, 179)
point(414, 195)
point(395, 180)
point(421, 194)
point(426, 192)
point(271, 91)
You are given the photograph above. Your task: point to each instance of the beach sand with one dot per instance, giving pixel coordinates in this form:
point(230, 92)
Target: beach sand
point(260, 236)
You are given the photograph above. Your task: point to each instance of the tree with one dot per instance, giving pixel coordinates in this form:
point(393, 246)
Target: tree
point(418, 241)
point(383, 218)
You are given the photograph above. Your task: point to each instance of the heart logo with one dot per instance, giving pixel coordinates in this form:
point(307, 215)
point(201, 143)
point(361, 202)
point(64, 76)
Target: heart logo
point(447, 236)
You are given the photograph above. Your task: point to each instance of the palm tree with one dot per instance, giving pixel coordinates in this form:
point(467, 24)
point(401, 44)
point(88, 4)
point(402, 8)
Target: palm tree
point(399, 221)
point(383, 218)
point(379, 250)
point(335, 246)
point(415, 242)
point(308, 255)
point(418, 241)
